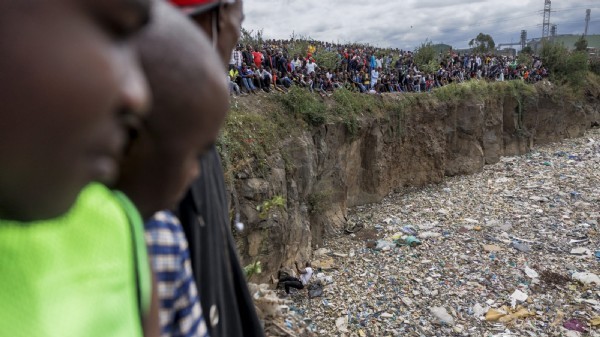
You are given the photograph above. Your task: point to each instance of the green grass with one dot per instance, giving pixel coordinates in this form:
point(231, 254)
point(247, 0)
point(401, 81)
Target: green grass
point(349, 106)
point(305, 105)
point(248, 139)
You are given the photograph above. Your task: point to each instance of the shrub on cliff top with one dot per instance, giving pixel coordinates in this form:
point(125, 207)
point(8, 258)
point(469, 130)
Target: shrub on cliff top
point(425, 57)
point(564, 66)
point(251, 135)
point(349, 106)
point(456, 92)
point(304, 104)
point(595, 65)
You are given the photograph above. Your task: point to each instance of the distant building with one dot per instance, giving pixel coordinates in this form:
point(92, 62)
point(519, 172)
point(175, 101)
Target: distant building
point(568, 41)
point(512, 52)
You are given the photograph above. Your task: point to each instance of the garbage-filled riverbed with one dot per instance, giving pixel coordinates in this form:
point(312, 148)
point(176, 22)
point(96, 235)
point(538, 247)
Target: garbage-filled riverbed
point(511, 251)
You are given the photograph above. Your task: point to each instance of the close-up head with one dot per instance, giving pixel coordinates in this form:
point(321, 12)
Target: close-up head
point(71, 85)
point(220, 19)
point(190, 101)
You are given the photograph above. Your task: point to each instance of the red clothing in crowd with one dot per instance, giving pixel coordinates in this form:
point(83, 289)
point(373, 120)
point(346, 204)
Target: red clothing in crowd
point(258, 58)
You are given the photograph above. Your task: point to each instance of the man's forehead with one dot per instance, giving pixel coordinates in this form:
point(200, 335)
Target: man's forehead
point(135, 12)
point(142, 5)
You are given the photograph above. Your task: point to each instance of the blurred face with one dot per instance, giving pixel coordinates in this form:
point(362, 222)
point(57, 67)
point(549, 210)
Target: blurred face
point(164, 159)
point(230, 24)
point(191, 99)
point(70, 85)
point(183, 150)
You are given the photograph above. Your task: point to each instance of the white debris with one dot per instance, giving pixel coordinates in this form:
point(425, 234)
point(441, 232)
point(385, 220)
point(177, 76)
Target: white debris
point(587, 278)
point(442, 315)
point(531, 273)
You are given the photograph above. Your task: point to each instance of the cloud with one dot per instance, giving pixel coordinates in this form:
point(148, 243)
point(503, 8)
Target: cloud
point(406, 24)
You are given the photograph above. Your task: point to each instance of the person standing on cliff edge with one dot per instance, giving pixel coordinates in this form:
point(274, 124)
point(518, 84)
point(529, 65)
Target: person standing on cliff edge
point(224, 296)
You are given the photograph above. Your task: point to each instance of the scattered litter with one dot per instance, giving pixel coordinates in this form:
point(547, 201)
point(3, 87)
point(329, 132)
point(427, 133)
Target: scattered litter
point(524, 248)
point(315, 290)
point(386, 315)
point(442, 315)
point(506, 314)
point(492, 248)
point(342, 324)
point(324, 279)
point(575, 325)
point(551, 277)
point(278, 318)
point(434, 274)
point(407, 301)
point(581, 251)
point(519, 296)
point(321, 252)
point(478, 310)
point(410, 230)
point(531, 273)
point(412, 241)
point(587, 278)
point(429, 235)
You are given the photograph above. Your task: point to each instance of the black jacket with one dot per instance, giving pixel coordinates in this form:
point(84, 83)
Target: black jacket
point(226, 303)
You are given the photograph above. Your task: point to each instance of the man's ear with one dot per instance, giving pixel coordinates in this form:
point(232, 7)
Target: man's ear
point(223, 12)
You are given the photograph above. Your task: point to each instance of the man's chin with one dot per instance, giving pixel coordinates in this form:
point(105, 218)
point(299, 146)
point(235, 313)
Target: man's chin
point(53, 209)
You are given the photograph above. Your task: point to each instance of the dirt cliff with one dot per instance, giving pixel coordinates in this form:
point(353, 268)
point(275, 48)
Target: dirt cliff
point(321, 171)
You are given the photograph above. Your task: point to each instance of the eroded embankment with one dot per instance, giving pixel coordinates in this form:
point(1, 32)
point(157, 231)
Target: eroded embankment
point(292, 182)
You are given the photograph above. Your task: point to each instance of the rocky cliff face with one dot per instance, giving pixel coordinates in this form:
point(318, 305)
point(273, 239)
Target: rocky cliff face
point(326, 170)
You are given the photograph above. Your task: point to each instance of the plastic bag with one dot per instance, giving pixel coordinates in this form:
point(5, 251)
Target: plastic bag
point(315, 290)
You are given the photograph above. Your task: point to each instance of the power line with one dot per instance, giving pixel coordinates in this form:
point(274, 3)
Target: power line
point(572, 8)
point(504, 19)
point(546, 24)
point(587, 21)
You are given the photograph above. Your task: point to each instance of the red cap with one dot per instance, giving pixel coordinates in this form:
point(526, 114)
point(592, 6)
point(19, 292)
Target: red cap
point(193, 7)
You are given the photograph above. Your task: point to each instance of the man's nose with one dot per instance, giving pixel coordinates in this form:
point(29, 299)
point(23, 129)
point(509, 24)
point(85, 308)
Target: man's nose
point(134, 90)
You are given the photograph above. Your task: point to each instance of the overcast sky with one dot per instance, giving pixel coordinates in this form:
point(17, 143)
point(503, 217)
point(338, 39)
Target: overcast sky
point(407, 23)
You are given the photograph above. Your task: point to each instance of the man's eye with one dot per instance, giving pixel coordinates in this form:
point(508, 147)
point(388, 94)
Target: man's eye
point(113, 28)
point(121, 19)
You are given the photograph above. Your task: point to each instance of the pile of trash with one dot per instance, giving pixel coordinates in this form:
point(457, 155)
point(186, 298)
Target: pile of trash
point(511, 251)
point(278, 317)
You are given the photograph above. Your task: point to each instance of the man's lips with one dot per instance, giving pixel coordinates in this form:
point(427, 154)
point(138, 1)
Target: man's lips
point(104, 167)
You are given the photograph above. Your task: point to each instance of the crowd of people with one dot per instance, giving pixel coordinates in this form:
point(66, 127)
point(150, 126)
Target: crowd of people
point(271, 66)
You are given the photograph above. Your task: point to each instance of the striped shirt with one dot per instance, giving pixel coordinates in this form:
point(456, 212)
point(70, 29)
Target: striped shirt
point(180, 310)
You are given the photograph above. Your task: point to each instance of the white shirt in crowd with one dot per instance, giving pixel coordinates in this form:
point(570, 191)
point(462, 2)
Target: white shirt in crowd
point(236, 58)
point(310, 67)
point(265, 73)
point(304, 278)
point(374, 77)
